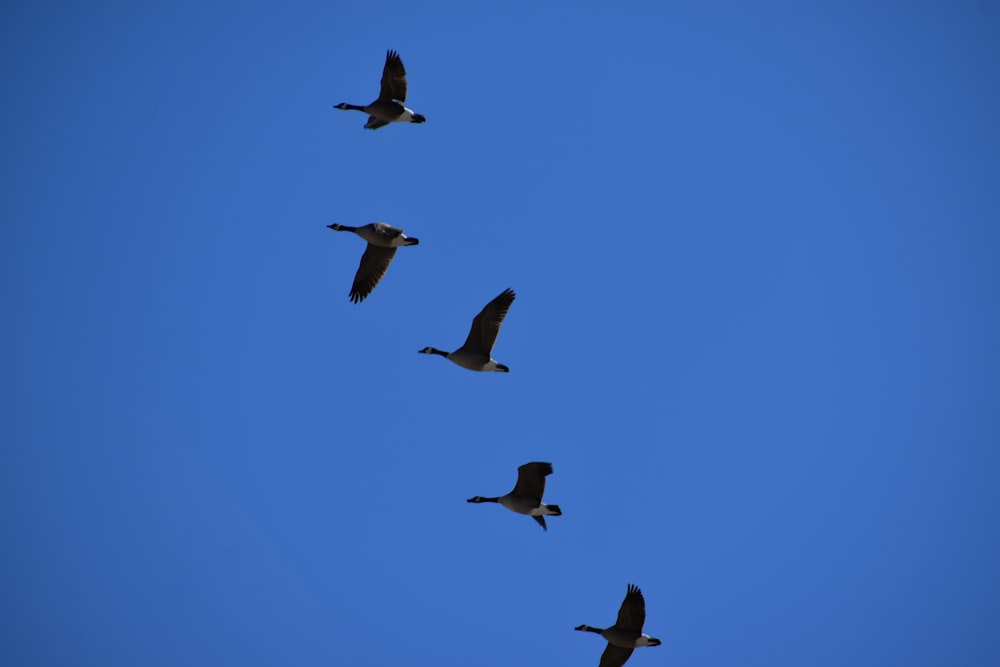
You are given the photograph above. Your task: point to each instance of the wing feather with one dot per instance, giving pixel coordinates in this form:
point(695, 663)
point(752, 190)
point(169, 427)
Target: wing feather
point(374, 264)
point(615, 656)
point(486, 325)
point(531, 480)
point(375, 123)
point(632, 613)
point(393, 79)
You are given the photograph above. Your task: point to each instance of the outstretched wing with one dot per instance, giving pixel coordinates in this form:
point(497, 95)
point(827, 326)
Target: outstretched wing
point(615, 656)
point(374, 264)
point(393, 79)
point(375, 123)
point(632, 613)
point(486, 325)
point(531, 480)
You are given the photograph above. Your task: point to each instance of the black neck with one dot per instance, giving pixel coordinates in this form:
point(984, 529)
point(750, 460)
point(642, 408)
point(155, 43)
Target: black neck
point(587, 628)
point(434, 350)
point(353, 107)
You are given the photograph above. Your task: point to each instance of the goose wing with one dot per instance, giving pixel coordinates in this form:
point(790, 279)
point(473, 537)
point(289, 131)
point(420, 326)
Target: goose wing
point(531, 480)
point(615, 656)
point(374, 264)
point(486, 325)
point(375, 123)
point(393, 79)
point(632, 613)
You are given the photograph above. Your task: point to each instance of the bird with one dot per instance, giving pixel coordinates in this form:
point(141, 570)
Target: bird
point(382, 240)
point(526, 498)
point(388, 107)
point(626, 634)
point(476, 353)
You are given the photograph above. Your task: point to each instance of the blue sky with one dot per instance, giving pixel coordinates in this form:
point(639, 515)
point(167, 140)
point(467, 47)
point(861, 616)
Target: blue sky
point(756, 254)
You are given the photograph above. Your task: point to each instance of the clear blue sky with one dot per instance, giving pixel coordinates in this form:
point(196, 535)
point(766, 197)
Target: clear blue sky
point(757, 259)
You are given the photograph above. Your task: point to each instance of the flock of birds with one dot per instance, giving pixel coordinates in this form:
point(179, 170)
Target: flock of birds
point(476, 354)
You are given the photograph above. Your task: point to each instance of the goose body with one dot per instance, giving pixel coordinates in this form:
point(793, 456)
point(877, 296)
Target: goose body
point(626, 634)
point(382, 241)
point(476, 354)
point(388, 108)
point(526, 498)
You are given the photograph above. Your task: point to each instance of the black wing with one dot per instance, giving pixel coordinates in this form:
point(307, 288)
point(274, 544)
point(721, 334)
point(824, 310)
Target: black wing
point(531, 480)
point(615, 656)
point(486, 325)
point(632, 613)
point(375, 123)
point(393, 79)
point(374, 264)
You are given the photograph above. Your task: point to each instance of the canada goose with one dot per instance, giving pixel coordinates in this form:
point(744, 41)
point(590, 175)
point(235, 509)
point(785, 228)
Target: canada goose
point(382, 240)
point(526, 498)
point(626, 634)
point(386, 109)
point(476, 353)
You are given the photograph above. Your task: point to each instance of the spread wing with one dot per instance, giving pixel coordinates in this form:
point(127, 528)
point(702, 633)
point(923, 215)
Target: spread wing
point(374, 264)
point(375, 123)
point(632, 613)
point(615, 656)
point(531, 480)
point(486, 325)
point(393, 79)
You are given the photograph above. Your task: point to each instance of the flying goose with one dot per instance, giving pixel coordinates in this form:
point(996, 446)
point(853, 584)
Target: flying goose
point(476, 353)
point(386, 109)
point(526, 498)
point(382, 240)
point(626, 634)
